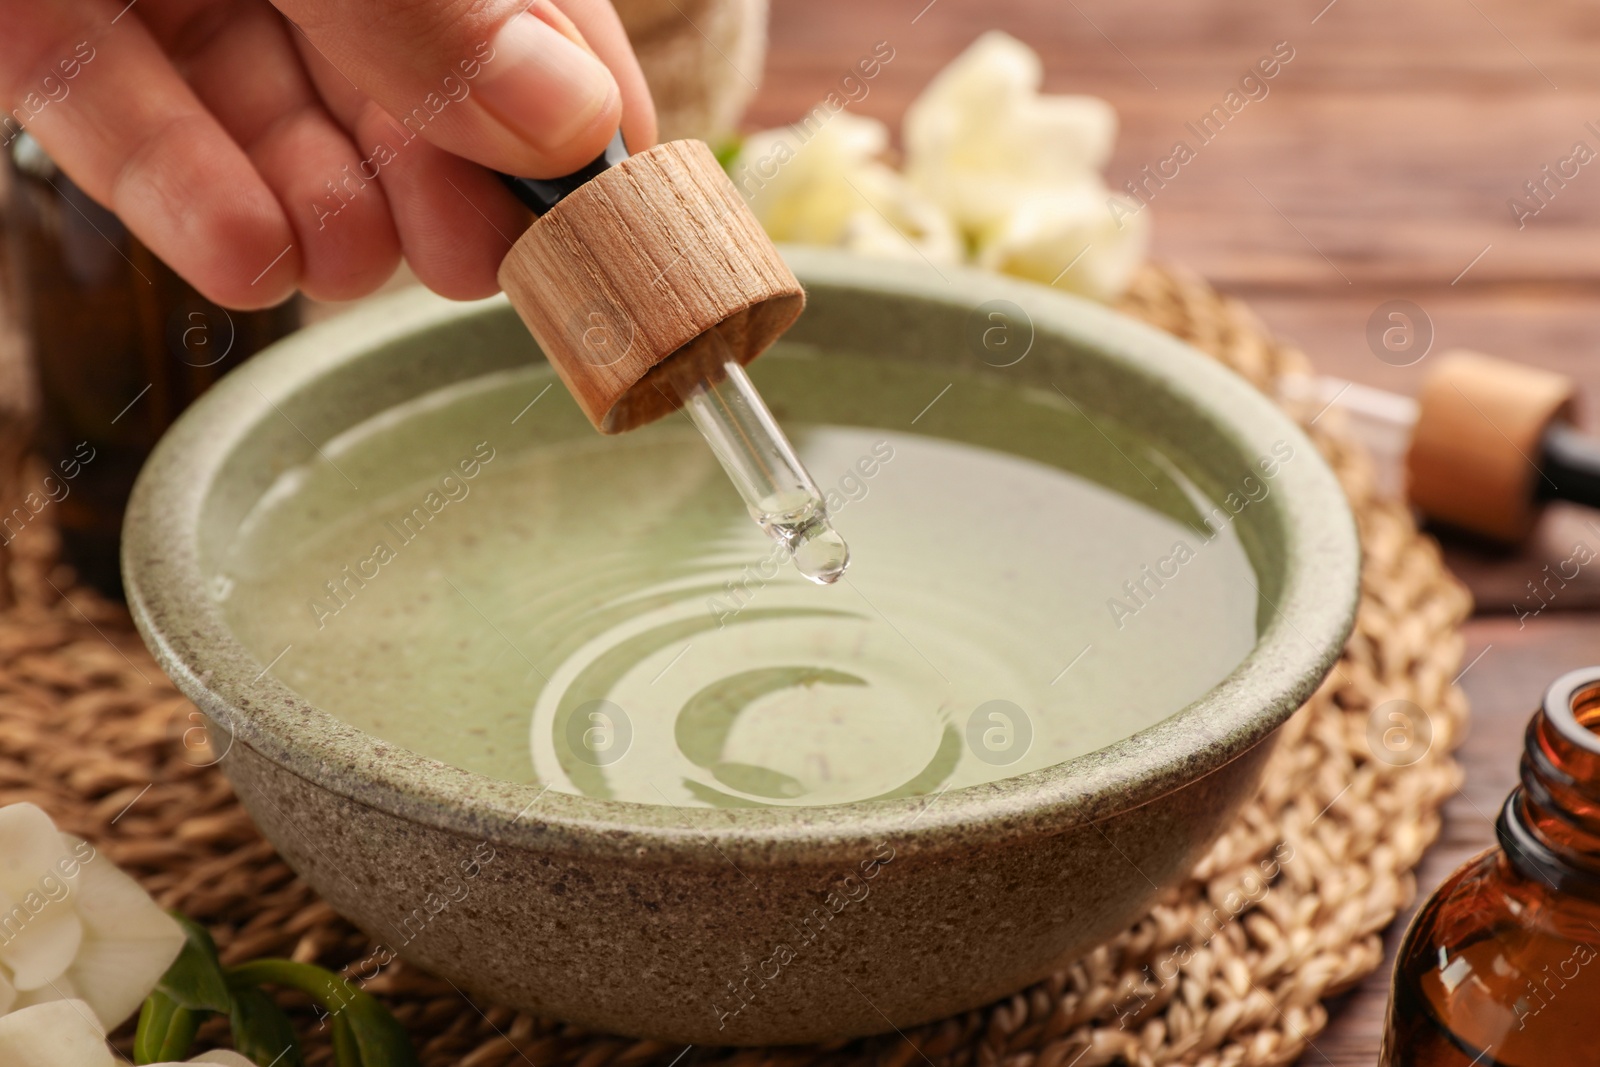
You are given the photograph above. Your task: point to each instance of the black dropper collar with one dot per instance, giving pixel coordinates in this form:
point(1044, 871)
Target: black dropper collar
point(1570, 465)
point(541, 194)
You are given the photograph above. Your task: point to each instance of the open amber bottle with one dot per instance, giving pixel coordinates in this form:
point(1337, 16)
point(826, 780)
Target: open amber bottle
point(1501, 967)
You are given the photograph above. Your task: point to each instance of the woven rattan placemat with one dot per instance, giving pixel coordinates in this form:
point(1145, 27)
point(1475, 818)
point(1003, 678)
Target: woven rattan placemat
point(1228, 969)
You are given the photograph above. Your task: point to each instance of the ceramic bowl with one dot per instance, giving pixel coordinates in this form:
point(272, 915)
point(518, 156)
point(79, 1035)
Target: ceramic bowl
point(748, 925)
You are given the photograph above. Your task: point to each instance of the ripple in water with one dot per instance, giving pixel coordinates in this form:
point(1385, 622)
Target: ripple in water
point(601, 615)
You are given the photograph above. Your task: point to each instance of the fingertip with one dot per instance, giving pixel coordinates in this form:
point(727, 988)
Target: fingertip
point(588, 144)
point(337, 207)
point(454, 219)
point(457, 254)
point(244, 259)
point(276, 285)
point(239, 253)
point(226, 235)
point(639, 129)
point(550, 105)
point(359, 276)
point(471, 284)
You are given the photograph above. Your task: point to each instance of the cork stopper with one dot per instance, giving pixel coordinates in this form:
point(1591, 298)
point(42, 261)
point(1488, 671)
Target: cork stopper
point(636, 263)
point(1475, 452)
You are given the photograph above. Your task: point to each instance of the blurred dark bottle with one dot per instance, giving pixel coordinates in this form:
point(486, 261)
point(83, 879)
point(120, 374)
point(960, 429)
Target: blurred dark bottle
point(121, 346)
point(1501, 967)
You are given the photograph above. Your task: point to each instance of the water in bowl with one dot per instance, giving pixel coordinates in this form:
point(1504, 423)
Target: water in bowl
point(478, 577)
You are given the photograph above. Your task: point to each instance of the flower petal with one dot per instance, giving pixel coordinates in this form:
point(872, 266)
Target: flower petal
point(30, 849)
point(1056, 138)
point(981, 137)
point(897, 221)
point(114, 976)
point(798, 180)
point(49, 993)
point(62, 1033)
point(227, 1057)
point(996, 69)
point(112, 904)
point(8, 995)
point(128, 942)
point(1072, 238)
point(44, 946)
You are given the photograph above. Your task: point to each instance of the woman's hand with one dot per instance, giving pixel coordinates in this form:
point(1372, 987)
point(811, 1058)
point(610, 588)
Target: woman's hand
point(257, 155)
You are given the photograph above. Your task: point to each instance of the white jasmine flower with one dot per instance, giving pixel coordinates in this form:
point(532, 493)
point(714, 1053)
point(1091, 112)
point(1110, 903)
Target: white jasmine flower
point(66, 1033)
point(1067, 238)
point(897, 221)
point(73, 926)
point(981, 137)
point(794, 178)
point(996, 172)
point(824, 184)
point(1019, 172)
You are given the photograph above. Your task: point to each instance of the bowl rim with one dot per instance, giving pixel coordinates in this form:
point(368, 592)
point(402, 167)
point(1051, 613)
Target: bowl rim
point(180, 621)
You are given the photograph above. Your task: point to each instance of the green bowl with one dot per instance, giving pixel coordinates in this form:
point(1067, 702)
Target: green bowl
point(748, 925)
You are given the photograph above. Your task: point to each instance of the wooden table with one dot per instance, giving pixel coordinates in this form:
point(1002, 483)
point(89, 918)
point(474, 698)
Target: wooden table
point(1378, 167)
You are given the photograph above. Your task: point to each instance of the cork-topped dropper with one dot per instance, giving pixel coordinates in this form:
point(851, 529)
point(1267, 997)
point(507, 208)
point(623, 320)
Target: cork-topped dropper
point(649, 285)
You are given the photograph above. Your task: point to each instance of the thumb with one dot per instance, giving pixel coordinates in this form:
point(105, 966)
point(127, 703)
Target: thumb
point(510, 85)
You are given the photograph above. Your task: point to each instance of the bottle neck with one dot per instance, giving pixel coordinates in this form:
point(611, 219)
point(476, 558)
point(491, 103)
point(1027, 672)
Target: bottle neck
point(1550, 825)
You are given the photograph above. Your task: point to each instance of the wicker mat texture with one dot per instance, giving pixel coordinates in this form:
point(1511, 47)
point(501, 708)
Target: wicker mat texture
point(1223, 971)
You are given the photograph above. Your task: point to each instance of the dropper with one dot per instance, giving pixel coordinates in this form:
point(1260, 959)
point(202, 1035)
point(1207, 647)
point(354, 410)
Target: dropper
point(707, 379)
point(1483, 447)
point(777, 489)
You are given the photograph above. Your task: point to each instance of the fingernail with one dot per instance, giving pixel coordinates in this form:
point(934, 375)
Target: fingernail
point(541, 85)
point(553, 16)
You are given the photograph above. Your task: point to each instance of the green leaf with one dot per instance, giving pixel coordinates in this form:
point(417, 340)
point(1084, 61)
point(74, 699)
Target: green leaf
point(195, 980)
point(345, 1050)
point(180, 1035)
point(154, 1020)
point(170, 1034)
point(261, 1031)
point(364, 1033)
point(166, 1030)
point(727, 150)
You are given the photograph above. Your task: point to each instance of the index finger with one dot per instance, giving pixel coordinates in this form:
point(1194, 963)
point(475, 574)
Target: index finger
point(132, 135)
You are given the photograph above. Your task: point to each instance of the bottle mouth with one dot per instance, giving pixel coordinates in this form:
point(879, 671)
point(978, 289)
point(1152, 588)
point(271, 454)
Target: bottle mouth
point(1550, 825)
point(1572, 707)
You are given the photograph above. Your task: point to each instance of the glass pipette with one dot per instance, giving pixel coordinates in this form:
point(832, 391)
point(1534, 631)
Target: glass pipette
point(719, 398)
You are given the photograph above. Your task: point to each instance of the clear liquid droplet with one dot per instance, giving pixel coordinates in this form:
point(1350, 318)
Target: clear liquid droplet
point(820, 553)
point(799, 521)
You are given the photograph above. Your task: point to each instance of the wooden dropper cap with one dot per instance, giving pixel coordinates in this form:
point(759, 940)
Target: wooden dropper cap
point(630, 262)
point(1480, 453)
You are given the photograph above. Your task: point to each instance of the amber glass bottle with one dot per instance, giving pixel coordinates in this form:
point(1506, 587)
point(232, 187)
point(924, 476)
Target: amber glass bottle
point(1501, 967)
